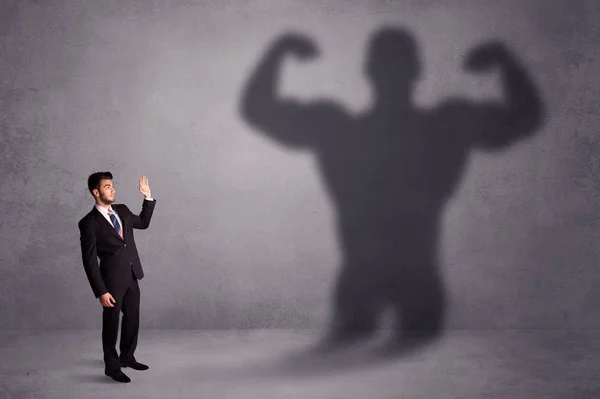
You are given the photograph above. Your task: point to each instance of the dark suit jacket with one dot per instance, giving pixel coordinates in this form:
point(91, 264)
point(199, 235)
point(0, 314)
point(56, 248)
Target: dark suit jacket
point(118, 257)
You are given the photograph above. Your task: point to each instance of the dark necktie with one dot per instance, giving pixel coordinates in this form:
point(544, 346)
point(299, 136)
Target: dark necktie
point(115, 223)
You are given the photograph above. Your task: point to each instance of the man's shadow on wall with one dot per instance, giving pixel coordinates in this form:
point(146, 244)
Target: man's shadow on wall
point(390, 173)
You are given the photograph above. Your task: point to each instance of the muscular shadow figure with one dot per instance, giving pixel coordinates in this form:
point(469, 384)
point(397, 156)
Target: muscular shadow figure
point(390, 171)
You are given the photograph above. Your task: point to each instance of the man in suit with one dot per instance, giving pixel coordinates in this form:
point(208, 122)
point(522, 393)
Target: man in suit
point(107, 234)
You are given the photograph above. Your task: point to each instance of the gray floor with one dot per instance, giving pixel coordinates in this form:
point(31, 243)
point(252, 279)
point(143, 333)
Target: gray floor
point(275, 364)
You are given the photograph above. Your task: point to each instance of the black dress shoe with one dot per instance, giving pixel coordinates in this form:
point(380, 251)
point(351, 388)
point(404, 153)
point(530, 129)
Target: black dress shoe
point(118, 376)
point(134, 365)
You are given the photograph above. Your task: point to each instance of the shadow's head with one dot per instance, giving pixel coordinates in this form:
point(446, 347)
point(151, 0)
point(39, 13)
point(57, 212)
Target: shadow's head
point(393, 60)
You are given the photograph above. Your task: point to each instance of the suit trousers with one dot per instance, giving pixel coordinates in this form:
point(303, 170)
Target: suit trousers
point(129, 304)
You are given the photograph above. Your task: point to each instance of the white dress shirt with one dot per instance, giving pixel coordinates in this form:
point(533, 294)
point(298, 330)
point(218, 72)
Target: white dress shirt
point(104, 213)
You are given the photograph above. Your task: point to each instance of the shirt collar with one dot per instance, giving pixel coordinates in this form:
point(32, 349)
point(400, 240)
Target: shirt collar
point(103, 210)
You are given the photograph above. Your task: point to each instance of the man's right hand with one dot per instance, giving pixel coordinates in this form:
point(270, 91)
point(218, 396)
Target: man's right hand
point(107, 300)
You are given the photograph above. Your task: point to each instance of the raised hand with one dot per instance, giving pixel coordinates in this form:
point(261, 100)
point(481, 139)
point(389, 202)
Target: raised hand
point(144, 187)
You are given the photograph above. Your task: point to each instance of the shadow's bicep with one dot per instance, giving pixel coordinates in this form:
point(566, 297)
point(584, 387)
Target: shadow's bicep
point(488, 126)
point(499, 127)
point(293, 123)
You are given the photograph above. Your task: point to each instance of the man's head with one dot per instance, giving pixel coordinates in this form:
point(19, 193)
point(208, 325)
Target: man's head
point(393, 60)
point(100, 186)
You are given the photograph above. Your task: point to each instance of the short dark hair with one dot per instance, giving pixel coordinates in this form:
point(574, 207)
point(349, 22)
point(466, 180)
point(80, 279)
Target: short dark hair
point(94, 180)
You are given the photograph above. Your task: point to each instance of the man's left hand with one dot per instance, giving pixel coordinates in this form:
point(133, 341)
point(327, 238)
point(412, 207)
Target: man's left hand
point(144, 187)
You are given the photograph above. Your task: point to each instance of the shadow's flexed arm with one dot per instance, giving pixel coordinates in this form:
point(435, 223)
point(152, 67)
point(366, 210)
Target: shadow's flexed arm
point(496, 125)
point(286, 121)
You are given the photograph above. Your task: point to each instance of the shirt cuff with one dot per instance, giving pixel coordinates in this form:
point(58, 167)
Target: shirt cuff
point(149, 199)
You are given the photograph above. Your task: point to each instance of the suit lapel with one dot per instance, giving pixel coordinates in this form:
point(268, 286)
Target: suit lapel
point(106, 224)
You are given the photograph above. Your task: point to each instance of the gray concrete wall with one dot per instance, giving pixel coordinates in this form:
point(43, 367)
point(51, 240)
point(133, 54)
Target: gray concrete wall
point(244, 233)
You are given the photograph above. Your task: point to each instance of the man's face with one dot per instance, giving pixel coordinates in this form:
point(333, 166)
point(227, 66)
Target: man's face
point(106, 192)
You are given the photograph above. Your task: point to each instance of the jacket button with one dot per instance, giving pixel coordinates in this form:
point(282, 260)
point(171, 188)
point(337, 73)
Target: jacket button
point(124, 245)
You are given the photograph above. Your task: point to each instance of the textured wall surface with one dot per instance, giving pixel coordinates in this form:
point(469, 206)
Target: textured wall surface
point(244, 233)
